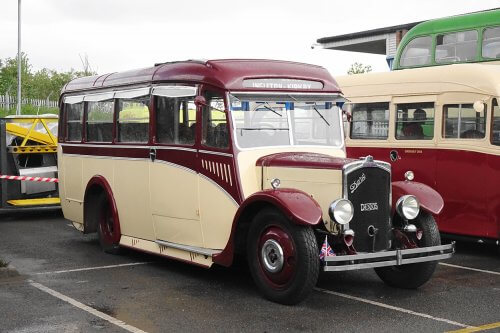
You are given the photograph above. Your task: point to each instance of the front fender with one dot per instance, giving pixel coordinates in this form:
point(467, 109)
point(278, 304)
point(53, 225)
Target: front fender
point(296, 205)
point(430, 200)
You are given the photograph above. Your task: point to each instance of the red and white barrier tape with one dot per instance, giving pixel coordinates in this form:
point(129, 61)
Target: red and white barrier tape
point(31, 179)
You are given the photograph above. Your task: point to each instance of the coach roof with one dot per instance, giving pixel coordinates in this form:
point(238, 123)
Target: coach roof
point(482, 78)
point(226, 73)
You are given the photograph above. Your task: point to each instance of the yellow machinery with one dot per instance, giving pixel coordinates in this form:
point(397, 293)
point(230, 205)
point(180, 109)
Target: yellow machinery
point(28, 150)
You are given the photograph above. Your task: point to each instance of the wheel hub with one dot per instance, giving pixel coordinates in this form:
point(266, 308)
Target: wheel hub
point(272, 256)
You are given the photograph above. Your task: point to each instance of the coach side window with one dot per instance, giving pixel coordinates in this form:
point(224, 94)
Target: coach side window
point(99, 120)
point(175, 114)
point(370, 121)
point(73, 110)
point(495, 126)
point(415, 121)
point(491, 43)
point(417, 52)
point(215, 132)
point(132, 123)
point(456, 46)
point(462, 121)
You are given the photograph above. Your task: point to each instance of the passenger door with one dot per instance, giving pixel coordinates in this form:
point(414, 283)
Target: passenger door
point(413, 141)
point(461, 175)
point(217, 177)
point(173, 177)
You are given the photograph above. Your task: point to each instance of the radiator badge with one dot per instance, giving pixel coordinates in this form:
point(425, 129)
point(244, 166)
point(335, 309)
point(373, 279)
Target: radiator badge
point(354, 186)
point(366, 207)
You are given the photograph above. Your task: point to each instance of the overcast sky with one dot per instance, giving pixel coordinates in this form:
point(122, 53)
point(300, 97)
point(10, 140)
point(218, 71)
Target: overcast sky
point(125, 34)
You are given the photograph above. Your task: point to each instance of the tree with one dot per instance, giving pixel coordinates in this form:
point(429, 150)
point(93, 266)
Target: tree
point(359, 68)
point(42, 84)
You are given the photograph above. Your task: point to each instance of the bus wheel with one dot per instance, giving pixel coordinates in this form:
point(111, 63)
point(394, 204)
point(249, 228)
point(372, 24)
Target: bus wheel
point(283, 257)
point(108, 235)
point(412, 276)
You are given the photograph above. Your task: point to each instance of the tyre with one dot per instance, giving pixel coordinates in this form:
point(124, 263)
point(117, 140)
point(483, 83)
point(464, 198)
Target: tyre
point(283, 257)
point(109, 235)
point(412, 276)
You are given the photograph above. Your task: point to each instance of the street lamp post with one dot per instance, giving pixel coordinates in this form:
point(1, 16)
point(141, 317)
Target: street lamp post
point(18, 110)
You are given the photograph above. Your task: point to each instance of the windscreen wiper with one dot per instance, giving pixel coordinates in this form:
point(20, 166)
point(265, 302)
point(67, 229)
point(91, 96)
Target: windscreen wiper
point(319, 114)
point(266, 106)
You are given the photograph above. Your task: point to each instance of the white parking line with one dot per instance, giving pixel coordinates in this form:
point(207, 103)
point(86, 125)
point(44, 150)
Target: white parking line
point(470, 268)
point(395, 308)
point(86, 308)
point(95, 268)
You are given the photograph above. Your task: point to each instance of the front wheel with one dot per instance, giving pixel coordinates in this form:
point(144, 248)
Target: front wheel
point(283, 257)
point(412, 276)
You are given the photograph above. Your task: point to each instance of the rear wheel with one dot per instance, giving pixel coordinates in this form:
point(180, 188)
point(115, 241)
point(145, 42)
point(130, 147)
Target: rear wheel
point(412, 276)
point(109, 236)
point(283, 257)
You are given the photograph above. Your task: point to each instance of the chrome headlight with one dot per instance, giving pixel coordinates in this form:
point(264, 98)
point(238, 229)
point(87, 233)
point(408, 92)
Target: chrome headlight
point(341, 211)
point(408, 207)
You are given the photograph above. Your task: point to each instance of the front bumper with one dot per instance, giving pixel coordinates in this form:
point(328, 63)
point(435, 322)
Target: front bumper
point(388, 258)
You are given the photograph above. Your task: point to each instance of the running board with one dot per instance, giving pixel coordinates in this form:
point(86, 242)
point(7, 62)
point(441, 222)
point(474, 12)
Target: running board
point(188, 248)
point(388, 258)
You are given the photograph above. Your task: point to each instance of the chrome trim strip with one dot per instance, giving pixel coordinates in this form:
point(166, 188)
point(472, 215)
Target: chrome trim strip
point(188, 248)
point(107, 157)
point(175, 166)
point(215, 153)
point(394, 258)
point(89, 145)
point(173, 148)
point(221, 188)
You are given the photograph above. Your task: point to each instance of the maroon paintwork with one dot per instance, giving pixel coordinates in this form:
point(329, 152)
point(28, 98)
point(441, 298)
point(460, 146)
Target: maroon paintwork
point(429, 199)
point(226, 74)
point(467, 181)
point(103, 183)
point(297, 206)
point(303, 160)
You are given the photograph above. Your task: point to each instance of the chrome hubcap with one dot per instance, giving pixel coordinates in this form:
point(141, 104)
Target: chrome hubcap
point(272, 256)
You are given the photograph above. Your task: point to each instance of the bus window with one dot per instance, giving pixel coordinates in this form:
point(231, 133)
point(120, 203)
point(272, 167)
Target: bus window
point(495, 126)
point(370, 121)
point(74, 116)
point(133, 119)
point(215, 123)
point(491, 43)
point(456, 46)
point(100, 121)
point(462, 121)
point(175, 120)
point(415, 121)
point(417, 52)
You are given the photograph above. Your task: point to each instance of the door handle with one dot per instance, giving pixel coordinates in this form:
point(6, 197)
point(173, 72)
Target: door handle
point(152, 154)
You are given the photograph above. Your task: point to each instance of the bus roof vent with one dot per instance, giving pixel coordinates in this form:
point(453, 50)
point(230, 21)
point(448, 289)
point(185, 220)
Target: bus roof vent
point(197, 61)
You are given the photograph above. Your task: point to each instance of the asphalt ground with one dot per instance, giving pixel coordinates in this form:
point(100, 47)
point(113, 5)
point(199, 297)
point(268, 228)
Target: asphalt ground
point(67, 284)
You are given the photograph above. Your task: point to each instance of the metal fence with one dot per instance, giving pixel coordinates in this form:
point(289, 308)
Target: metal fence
point(9, 102)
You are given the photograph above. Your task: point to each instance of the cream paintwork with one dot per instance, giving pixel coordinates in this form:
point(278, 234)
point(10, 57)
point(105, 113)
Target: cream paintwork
point(452, 84)
point(152, 247)
point(323, 185)
point(174, 199)
point(251, 176)
point(217, 214)
point(130, 188)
